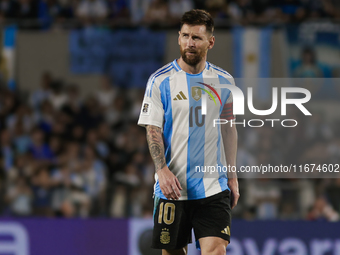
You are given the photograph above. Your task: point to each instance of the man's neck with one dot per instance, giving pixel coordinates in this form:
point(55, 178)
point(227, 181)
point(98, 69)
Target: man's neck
point(191, 69)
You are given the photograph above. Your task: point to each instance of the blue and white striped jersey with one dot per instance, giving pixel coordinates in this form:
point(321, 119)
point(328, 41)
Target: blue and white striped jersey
point(172, 102)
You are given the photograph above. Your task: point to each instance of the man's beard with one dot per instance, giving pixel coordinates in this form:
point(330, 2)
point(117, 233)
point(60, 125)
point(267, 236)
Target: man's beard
point(191, 60)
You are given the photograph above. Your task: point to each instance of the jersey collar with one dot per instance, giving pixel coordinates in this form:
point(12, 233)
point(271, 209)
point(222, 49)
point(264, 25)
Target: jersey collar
point(178, 68)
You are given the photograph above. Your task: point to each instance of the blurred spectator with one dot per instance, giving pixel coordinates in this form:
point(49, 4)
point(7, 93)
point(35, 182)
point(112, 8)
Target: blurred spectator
point(218, 10)
point(178, 7)
point(317, 129)
point(100, 147)
point(291, 10)
point(69, 197)
point(249, 213)
point(73, 106)
point(322, 210)
point(308, 66)
point(45, 116)
point(106, 93)
point(119, 10)
point(7, 150)
point(21, 140)
point(93, 176)
point(53, 13)
point(288, 211)
point(39, 149)
point(20, 197)
point(58, 96)
point(119, 203)
point(49, 10)
point(129, 181)
point(321, 8)
point(138, 9)
point(92, 114)
point(42, 190)
point(239, 10)
point(78, 133)
point(332, 192)
point(92, 11)
point(26, 9)
point(136, 100)
point(116, 114)
point(158, 13)
point(265, 196)
point(8, 8)
point(9, 104)
point(23, 116)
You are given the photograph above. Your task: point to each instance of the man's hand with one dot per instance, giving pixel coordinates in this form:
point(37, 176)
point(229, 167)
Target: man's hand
point(235, 194)
point(169, 183)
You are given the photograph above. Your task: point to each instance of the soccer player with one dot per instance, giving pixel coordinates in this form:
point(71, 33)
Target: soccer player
point(183, 142)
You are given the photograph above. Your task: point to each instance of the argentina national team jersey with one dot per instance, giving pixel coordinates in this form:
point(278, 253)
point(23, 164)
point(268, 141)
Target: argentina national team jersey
point(173, 102)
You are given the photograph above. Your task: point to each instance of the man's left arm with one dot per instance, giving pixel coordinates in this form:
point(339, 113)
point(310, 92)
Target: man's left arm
point(229, 134)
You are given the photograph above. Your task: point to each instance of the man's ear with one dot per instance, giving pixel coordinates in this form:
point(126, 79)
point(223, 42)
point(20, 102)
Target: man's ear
point(179, 35)
point(211, 42)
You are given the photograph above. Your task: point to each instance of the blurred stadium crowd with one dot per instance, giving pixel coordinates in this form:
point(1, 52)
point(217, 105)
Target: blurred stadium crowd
point(164, 13)
point(63, 155)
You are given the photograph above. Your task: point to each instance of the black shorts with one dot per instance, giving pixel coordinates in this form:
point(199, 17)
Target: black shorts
point(174, 220)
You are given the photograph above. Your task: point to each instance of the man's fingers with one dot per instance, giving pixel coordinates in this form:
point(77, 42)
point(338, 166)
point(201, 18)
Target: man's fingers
point(178, 184)
point(174, 196)
point(176, 191)
point(167, 192)
point(171, 192)
point(234, 200)
point(171, 188)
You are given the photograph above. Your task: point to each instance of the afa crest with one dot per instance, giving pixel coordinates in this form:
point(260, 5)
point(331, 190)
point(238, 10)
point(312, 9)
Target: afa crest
point(196, 93)
point(165, 236)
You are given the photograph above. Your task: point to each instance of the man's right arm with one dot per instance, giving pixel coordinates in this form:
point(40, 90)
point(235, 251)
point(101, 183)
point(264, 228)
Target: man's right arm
point(168, 182)
point(156, 146)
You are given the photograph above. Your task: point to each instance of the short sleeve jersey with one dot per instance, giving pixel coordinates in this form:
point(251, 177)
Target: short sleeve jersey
point(173, 102)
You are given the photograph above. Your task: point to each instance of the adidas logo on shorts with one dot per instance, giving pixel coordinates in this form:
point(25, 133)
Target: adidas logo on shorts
point(226, 231)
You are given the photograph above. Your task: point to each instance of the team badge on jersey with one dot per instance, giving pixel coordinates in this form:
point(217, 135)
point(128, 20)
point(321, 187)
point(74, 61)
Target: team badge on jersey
point(146, 108)
point(196, 93)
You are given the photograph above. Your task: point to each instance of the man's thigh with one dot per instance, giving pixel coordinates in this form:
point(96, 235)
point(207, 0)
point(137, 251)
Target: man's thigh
point(172, 225)
point(213, 245)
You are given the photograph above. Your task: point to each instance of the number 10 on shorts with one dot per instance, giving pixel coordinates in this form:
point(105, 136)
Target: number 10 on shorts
point(166, 213)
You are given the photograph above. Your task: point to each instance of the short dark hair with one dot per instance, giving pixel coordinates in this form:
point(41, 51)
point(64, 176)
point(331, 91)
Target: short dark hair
point(198, 17)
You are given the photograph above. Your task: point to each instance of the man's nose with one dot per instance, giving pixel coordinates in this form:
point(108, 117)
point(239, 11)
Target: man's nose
point(191, 42)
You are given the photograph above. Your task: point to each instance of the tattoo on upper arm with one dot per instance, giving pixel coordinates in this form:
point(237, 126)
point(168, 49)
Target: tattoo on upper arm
point(156, 146)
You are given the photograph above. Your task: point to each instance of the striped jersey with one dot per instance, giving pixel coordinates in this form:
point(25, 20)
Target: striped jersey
point(173, 102)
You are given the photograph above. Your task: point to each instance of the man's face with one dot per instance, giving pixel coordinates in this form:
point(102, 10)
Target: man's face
point(194, 42)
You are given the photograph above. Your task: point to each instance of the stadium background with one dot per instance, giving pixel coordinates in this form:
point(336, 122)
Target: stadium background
point(76, 176)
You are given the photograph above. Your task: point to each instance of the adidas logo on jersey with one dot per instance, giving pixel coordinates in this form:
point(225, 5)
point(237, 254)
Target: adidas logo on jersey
point(180, 96)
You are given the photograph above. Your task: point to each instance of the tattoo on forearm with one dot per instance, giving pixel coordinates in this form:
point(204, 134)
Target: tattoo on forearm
point(156, 146)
